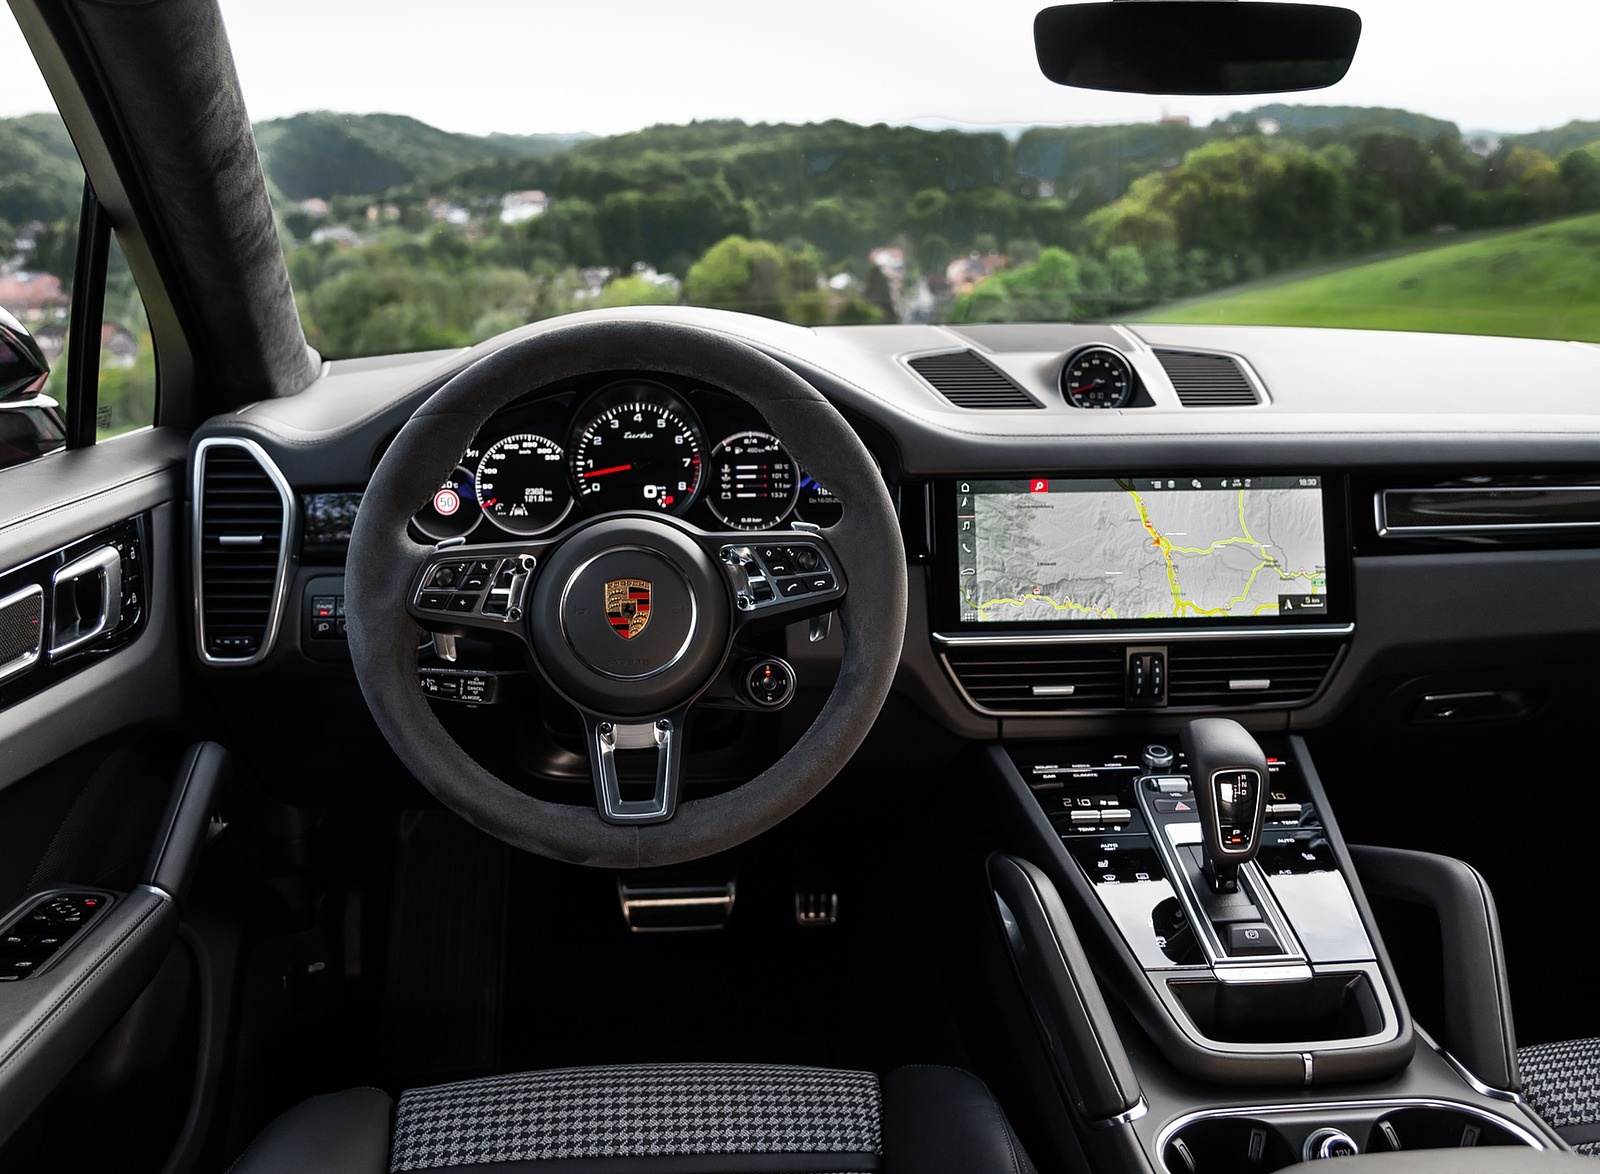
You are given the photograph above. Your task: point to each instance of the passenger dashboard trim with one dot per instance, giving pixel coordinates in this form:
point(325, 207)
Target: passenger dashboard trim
point(1387, 529)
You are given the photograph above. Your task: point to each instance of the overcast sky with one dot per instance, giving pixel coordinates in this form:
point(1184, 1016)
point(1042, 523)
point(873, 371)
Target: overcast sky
point(526, 66)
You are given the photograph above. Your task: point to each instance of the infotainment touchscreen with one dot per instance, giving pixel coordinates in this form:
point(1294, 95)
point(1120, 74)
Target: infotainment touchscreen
point(1180, 550)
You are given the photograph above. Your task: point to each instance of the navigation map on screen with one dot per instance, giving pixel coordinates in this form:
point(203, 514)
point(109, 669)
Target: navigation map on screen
point(1156, 548)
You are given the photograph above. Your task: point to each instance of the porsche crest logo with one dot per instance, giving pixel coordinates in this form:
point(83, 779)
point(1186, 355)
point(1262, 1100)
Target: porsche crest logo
point(628, 606)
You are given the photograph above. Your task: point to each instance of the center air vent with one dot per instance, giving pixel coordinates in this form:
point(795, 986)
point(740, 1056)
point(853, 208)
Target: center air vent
point(1019, 679)
point(1206, 380)
point(242, 511)
point(1040, 678)
point(968, 380)
point(1248, 672)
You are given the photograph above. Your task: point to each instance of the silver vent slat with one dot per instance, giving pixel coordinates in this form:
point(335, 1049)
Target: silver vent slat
point(968, 380)
point(1208, 380)
point(243, 518)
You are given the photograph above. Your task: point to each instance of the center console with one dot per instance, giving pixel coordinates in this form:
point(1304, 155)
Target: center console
point(1195, 946)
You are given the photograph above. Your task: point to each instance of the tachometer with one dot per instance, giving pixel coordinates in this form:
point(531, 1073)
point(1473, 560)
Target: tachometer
point(637, 446)
point(753, 481)
point(1097, 377)
point(522, 485)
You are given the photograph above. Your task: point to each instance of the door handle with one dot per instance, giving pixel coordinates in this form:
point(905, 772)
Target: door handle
point(86, 597)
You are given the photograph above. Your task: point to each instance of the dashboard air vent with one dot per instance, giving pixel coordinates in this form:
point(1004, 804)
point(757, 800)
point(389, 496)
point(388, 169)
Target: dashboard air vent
point(242, 512)
point(1231, 673)
point(968, 380)
point(1042, 679)
point(1205, 380)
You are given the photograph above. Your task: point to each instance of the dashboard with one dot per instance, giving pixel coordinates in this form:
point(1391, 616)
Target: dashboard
point(1333, 505)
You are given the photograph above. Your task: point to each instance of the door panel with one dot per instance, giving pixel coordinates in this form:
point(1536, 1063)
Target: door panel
point(92, 759)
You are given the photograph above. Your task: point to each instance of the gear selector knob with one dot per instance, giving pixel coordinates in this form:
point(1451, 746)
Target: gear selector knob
point(1229, 774)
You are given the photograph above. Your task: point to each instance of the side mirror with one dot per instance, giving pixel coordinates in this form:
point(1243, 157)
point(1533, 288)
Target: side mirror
point(23, 367)
point(1195, 46)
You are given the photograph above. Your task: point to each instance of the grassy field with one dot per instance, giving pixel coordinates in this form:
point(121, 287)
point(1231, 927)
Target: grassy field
point(1540, 282)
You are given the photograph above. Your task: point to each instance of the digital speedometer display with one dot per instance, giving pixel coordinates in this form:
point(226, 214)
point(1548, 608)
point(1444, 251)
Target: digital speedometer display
point(637, 446)
point(522, 485)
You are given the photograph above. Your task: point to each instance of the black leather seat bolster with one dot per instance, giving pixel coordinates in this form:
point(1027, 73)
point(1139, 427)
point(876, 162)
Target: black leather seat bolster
point(340, 1133)
point(945, 1121)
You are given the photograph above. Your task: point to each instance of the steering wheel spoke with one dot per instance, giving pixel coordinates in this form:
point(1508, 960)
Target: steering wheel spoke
point(779, 576)
point(478, 589)
point(607, 736)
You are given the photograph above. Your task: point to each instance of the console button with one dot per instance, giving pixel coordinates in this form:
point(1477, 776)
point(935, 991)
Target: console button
point(1251, 937)
point(1084, 818)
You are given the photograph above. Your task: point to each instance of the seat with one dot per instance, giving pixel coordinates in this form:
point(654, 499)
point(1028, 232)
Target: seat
point(654, 1119)
point(1561, 1082)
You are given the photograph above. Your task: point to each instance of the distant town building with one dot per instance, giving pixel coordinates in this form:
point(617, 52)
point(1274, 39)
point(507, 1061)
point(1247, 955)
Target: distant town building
point(337, 234)
point(515, 207)
point(383, 213)
point(965, 272)
point(33, 297)
point(645, 271)
point(1174, 120)
point(316, 207)
point(441, 209)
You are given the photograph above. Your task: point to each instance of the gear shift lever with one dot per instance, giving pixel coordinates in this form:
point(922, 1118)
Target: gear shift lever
point(1229, 773)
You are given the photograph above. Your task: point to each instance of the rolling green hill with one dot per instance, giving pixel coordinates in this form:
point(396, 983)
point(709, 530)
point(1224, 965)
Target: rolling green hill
point(1554, 269)
point(326, 154)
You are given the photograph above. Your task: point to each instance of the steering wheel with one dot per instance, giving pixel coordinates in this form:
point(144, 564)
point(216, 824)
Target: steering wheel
point(631, 617)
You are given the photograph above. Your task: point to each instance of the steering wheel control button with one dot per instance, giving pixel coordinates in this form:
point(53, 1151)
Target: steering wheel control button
point(461, 685)
point(463, 601)
point(1247, 938)
point(447, 575)
point(434, 600)
point(769, 682)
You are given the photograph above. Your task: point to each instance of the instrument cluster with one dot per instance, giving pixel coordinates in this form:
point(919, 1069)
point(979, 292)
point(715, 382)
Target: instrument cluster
point(636, 443)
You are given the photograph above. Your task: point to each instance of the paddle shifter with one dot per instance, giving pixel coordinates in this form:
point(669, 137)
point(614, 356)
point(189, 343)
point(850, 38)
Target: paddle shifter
point(1229, 773)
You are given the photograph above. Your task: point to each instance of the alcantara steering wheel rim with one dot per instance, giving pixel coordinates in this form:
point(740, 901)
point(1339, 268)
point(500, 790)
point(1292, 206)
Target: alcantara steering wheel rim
point(386, 568)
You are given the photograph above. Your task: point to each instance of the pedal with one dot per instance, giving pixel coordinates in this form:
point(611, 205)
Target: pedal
point(676, 907)
point(816, 908)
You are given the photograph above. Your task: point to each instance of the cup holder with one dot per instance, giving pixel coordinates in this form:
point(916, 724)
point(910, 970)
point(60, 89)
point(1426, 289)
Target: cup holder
point(1263, 1141)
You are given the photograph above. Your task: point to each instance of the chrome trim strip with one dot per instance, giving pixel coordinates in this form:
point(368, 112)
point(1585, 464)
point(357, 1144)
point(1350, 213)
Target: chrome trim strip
point(1461, 1070)
point(29, 658)
point(1316, 1109)
point(1154, 635)
point(280, 580)
point(1381, 509)
point(1126, 1117)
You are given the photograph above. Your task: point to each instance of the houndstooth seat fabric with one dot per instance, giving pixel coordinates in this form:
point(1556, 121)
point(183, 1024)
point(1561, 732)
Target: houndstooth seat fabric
point(653, 1119)
point(1561, 1081)
point(640, 1112)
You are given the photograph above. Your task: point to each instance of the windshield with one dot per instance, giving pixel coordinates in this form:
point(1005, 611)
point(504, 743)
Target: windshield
point(440, 181)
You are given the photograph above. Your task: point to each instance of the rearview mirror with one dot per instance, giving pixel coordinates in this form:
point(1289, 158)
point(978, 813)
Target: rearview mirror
point(1195, 46)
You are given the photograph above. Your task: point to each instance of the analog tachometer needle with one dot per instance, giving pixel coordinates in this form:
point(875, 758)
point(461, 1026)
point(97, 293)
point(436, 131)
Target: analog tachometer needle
point(603, 472)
